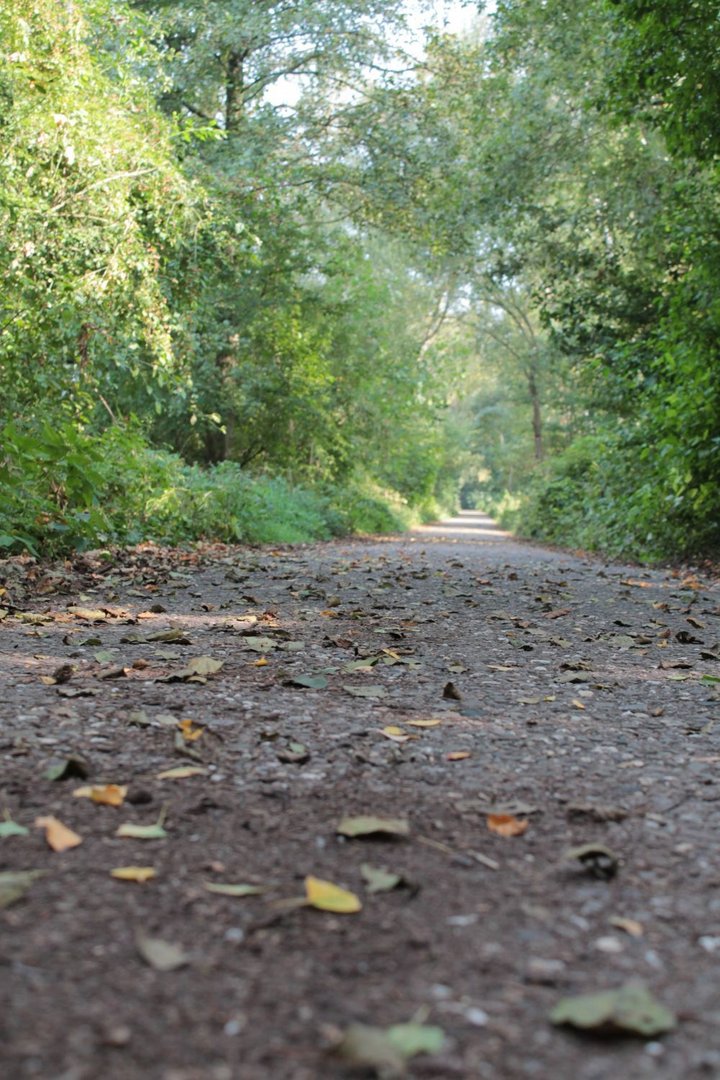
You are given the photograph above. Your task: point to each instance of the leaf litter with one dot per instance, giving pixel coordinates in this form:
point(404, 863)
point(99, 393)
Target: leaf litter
point(245, 802)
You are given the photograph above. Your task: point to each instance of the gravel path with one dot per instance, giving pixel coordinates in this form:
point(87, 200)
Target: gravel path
point(577, 698)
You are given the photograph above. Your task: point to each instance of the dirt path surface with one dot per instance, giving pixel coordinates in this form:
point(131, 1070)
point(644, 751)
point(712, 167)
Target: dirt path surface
point(574, 697)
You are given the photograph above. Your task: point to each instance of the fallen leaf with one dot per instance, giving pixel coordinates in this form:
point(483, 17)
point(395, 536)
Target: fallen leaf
point(411, 1039)
point(113, 673)
point(506, 825)
point(325, 896)
point(260, 644)
point(423, 723)
point(630, 926)
point(58, 836)
point(174, 636)
point(451, 692)
point(365, 825)
point(181, 772)
point(396, 734)
point(458, 755)
point(161, 955)
point(8, 827)
point(310, 682)
point(368, 1047)
point(294, 753)
point(203, 665)
point(88, 614)
point(378, 880)
point(15, 883)
point(66, 768)
point(133, 873)
point(628, 1010)
point(190, 730)
point(386, 1050)
point(141, 832)
point(598, 860)
point(105, 794)
point(373, 690)
point(223, 889)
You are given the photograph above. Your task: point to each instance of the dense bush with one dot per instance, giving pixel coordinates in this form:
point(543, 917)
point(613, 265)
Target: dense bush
point(63, 489)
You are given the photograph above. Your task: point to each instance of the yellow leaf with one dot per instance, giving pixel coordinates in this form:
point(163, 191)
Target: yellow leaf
point(325, 896)
point(630, 926)
point(396, 734)
point(58, 836)
point(506, 824)
point(423, 723)
point(105, 794)
point(458, 755)
point(181, 772)
point(262, 662)
point(133, 873)
point(578, 704)
point(190, 730)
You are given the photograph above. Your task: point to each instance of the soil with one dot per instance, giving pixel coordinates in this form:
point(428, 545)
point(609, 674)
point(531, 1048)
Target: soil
point(572, 695)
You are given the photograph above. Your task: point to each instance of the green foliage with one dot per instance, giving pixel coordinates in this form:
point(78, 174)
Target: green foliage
point(63, 489)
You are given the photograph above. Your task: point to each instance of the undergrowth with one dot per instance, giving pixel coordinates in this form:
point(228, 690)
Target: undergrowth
point(62, 489)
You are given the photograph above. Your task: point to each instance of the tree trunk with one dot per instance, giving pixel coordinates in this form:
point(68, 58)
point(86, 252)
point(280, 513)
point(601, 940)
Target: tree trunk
point(234, 87)
point(537, 424)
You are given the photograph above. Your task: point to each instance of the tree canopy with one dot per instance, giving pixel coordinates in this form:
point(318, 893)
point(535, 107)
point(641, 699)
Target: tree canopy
point(259, 263)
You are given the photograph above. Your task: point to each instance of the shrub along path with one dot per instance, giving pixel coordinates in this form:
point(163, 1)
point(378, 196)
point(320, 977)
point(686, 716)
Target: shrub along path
point(498, 703)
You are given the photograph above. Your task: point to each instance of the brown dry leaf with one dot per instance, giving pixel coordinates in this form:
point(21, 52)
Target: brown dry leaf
point(325, 896)
point(558, 613)
point(190, 730)
point(57, 835)
point(458, 755)
point(105, 794)
point(133, 873)
point(506, 824)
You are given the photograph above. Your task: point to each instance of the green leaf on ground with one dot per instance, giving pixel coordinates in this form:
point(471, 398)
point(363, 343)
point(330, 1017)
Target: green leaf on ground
point(141, 832)
point(260, 644)
point(378, 880)
point(374, 690)
point(8, 827)
point(227, 889)
point(366, 825)
point(65, 768)
point(629, 1010)
point(311, 682)
point(15, 883)
point(411, 1039)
